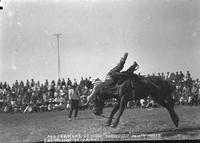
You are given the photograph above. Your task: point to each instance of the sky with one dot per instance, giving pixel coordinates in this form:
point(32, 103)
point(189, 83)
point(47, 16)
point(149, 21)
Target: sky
point(161, 35)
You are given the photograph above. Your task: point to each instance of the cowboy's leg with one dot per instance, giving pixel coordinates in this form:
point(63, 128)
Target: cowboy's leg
point(71, 109)
point(196, 100)
point(119, 66)
point(76, 108)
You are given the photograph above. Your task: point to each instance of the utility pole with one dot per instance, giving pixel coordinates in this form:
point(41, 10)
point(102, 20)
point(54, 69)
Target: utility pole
point(58, 36)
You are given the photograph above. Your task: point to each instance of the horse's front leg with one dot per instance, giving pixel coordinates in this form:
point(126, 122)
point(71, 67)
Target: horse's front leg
point(115, 109)
point(122, 106)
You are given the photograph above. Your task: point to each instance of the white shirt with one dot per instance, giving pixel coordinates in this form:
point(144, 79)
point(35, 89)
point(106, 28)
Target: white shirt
point(73, 94)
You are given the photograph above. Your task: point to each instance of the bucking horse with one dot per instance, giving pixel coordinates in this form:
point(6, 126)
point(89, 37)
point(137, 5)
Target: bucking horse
point(133, 88)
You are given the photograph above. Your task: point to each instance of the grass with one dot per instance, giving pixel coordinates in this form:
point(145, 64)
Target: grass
point(135, 124)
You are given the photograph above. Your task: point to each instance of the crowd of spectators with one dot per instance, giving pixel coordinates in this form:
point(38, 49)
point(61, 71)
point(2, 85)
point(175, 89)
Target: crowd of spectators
point(36, 97)
point(32, 96)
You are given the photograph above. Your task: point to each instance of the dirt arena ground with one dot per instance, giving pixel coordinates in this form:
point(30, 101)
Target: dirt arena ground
point(135, 124)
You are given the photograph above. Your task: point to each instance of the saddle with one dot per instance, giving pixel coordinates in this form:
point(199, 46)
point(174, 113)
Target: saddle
point(114, 87)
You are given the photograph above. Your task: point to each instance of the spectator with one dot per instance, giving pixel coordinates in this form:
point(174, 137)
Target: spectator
point(82, 82)
point(188, 75)
point(181, 76)
point(143, 103)
point(176, 77)
point(16, 83)
point(59, 82)
point(90, 78)
point(63, 82)
point(195, 93)
point(38, 84)
point(162, 75)
point(69, 82)
point(53, 83)
point(75, 82)
point(88, 83)
point(28, 83)
point(172, 77)
point(32, 82)
point(46, 83)
point(167, 76)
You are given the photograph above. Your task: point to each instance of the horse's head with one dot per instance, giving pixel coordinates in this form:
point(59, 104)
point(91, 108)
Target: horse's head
point(98, 105)
point(97, 98)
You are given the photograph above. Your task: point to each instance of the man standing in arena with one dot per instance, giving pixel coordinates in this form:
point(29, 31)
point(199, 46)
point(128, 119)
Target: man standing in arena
point(74, 97)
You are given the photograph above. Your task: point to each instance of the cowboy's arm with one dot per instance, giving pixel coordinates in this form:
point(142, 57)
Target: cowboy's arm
point(70, 95)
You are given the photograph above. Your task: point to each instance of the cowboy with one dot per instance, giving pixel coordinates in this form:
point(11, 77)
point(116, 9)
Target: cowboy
point(114, 75)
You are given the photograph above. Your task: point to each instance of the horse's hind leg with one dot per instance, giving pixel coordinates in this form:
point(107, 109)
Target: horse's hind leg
point(168, 103)
point(115, 109)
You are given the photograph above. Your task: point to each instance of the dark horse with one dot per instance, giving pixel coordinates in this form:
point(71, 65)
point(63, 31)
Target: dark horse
point(130, 89)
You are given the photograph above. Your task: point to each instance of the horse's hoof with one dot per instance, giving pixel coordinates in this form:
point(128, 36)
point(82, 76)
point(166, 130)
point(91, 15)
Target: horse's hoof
point(108, 123)
point(114, 125)
point(176, 121)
